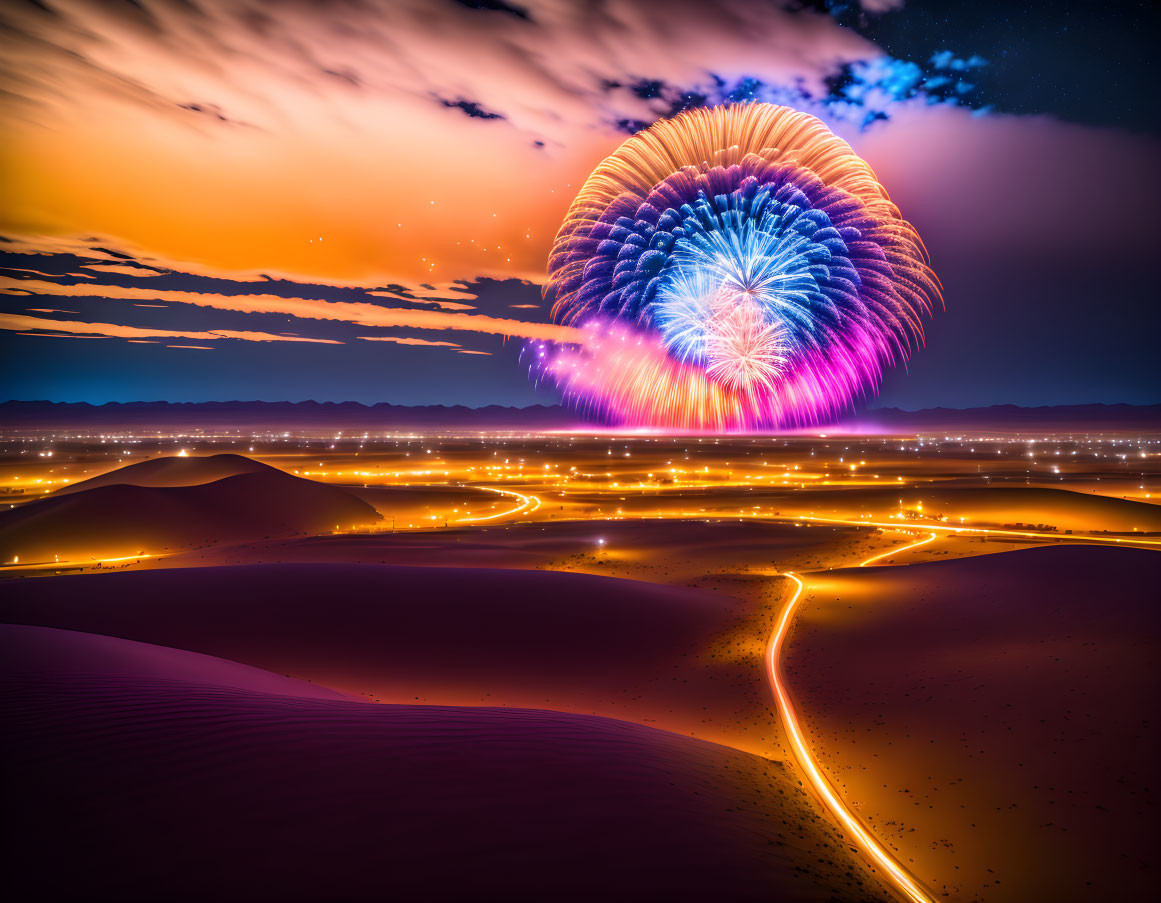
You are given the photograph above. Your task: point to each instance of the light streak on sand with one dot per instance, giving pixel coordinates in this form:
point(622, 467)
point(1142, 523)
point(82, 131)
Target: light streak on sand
point(866, 842)
point(39, 565)
point(971, 531)
point(890, 552)
point(528, 504)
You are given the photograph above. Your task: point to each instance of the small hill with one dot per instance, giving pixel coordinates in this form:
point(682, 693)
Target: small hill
point(173, 471)
point(118, 520)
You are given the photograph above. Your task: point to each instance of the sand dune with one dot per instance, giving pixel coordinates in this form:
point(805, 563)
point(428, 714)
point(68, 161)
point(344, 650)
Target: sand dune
point(119, 520)
point(407, 504)
point(667, 656)
point(70, 655)
point(137, 773)
point(994, 717)
point(173, 470)
point(980, 505)
point(999, 505)
point(680, 552)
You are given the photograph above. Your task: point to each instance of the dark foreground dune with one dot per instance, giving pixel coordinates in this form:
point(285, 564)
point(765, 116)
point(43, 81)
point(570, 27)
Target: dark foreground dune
point(137, 773)
point(449, 636)
point(995, 718)
point(121, 519)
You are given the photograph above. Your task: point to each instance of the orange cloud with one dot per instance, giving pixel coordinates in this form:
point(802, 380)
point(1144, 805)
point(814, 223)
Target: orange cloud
point(24, 270)
point(18, 322)
point(312, 141)
point(405, 341)
point(63, 335)
point(356, 312)
point(99, 246)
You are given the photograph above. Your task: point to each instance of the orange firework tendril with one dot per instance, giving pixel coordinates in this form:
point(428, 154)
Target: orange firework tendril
point(723, 136)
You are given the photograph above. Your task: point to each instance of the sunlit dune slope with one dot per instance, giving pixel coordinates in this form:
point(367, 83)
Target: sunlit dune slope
point(174, 471)
point(995, 717)
point(449, 636)
point(138, 773)
point(999, 505)
point(407, 504)
point(119, 520)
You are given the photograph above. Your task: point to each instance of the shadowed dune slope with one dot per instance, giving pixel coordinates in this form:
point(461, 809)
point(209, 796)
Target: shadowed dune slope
point(348, 621)
point(173, 471)
point(677, 552)
point(143, 774)
point(454, 636)
point(995, 717)
point(124, 520)
point(49, 653)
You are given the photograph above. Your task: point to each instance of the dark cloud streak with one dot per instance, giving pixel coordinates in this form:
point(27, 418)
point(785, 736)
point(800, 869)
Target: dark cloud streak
point(470, 108)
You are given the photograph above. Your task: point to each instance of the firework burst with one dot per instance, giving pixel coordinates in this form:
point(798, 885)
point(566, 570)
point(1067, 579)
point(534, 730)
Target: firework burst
point(742, 346)
point(734, 268)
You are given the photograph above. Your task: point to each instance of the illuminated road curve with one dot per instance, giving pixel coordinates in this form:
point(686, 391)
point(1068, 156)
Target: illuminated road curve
point(79, 562)
point(890, 552)
point(969, 531)
point(528, 504)
point(900, 878)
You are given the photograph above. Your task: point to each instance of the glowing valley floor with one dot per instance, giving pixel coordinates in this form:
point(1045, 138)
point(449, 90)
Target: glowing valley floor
point(632, 667)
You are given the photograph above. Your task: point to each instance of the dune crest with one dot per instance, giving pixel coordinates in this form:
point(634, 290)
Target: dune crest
point(173, 470)
point(118, 519)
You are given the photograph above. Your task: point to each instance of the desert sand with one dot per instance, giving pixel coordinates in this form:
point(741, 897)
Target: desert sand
point(994, 717)
point(173, 470)
point(115, 520)
point(141, 773)
point(599, 606)
point(656, 655)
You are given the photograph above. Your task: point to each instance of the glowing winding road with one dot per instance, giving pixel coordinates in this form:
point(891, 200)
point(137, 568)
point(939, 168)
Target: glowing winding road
point(77, 562)
point(528, 504)
point(890, 552)
point(899, 877)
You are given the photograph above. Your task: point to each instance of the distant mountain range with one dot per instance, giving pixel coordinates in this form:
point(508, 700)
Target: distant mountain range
point(285, 415)
point(1013, 418)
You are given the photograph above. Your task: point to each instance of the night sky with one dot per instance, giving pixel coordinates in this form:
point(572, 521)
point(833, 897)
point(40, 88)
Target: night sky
point(355, 201)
